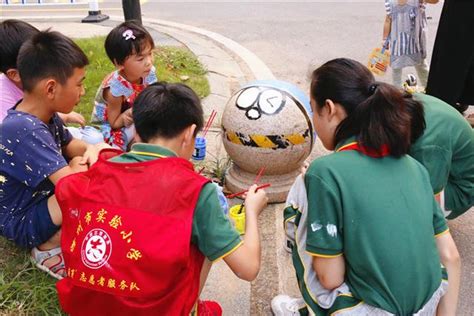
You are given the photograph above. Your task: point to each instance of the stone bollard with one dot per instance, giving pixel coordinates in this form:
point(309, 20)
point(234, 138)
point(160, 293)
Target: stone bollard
point(267, 124)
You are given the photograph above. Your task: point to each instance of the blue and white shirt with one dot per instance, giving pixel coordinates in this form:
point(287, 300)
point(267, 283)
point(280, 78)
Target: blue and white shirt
point(30, 151)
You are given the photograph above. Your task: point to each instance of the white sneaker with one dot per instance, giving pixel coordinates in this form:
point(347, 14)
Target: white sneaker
point(283, 305)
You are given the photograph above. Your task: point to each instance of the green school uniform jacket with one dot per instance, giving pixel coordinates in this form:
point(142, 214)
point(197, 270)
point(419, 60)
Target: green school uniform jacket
point(446, 149)
point(212, 232)
point(381, 215)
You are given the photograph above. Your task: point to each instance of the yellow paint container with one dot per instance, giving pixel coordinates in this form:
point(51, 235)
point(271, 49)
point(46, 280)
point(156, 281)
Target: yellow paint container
point(238, 218)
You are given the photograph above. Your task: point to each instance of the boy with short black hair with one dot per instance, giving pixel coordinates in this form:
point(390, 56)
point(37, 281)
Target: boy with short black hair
point(13, 33)
point(138, 226)
point(36, 147)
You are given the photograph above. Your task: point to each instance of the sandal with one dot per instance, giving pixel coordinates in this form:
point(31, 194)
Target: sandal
point(39, 258)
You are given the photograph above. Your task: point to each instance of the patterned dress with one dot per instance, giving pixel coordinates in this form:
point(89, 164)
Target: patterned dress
point(119, 87)
point(408, 32)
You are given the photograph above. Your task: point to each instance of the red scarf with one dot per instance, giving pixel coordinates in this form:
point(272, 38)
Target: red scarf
point(382, 152)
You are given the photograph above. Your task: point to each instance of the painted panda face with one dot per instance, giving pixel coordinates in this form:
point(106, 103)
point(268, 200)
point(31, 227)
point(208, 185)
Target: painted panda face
point(257, 100)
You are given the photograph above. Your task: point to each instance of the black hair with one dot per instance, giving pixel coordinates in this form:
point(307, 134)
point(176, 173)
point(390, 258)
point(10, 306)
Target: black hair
point(119, 45)
point(377, 113)
point(49, 54)
point(165, 110)
point(13, 33)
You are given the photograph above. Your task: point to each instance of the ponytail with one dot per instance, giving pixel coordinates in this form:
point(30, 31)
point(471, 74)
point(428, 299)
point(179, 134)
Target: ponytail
point(377, 113)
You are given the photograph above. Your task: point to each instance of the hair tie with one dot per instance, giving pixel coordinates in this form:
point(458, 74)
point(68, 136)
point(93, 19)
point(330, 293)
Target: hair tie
point(372, 88)
point(128, 34)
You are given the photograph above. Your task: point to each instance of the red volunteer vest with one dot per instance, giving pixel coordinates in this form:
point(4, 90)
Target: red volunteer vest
point(126, 238)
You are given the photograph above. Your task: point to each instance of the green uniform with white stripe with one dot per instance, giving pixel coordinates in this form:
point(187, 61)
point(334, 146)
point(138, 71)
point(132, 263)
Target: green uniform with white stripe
point(212, 231)
point(446, 149)
point(381, 215)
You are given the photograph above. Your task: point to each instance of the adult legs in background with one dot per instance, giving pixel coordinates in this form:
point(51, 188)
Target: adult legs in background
point(453, 55)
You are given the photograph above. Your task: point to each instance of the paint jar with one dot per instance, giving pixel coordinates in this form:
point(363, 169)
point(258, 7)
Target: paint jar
point(237, 213)
point(199, 148)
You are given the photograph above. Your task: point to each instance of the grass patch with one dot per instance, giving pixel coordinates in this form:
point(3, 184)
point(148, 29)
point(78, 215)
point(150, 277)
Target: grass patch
point(173, 64)
point(24, 290)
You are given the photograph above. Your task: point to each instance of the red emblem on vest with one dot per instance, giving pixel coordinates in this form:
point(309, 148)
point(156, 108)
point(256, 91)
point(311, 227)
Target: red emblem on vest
point(96, 249)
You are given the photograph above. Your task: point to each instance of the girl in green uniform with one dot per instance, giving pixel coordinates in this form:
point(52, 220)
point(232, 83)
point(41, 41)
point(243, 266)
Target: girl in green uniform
point(371, 221)
point(446, 150)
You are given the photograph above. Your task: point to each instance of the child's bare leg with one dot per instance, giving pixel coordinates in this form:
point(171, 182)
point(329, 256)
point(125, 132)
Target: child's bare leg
point(56, 217)
point(206, 267)
point(397, 77)
point(422, 70)
point(48, 256)
point(53, 242)
point(55, 211)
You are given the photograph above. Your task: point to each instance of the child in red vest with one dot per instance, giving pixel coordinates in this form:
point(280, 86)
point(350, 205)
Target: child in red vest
point(138, 226)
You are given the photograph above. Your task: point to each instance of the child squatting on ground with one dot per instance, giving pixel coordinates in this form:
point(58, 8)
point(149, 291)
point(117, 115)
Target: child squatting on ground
point(447, 156)
point(130, 48)
point(141, 228)
point(13, 33)
point(404, 33)
point(368, 236)
point(37, 150)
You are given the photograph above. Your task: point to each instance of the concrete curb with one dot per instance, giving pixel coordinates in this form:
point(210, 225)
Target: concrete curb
point(257, 66)
point(229, 64)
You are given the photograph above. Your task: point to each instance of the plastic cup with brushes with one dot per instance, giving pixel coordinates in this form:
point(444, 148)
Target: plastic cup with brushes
point(237, 212)
point(200, 143)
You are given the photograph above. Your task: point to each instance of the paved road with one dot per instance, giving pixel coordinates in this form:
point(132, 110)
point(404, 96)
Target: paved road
point(292, 37)
point(289, 36)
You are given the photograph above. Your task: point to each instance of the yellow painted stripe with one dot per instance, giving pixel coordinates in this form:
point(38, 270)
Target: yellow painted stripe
point(295, 139)
point(442, 233)
point(324, 256)
point(263, 141)
point(143, 153)
point(229, 252)
point(345, 146)
point(234, 138)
